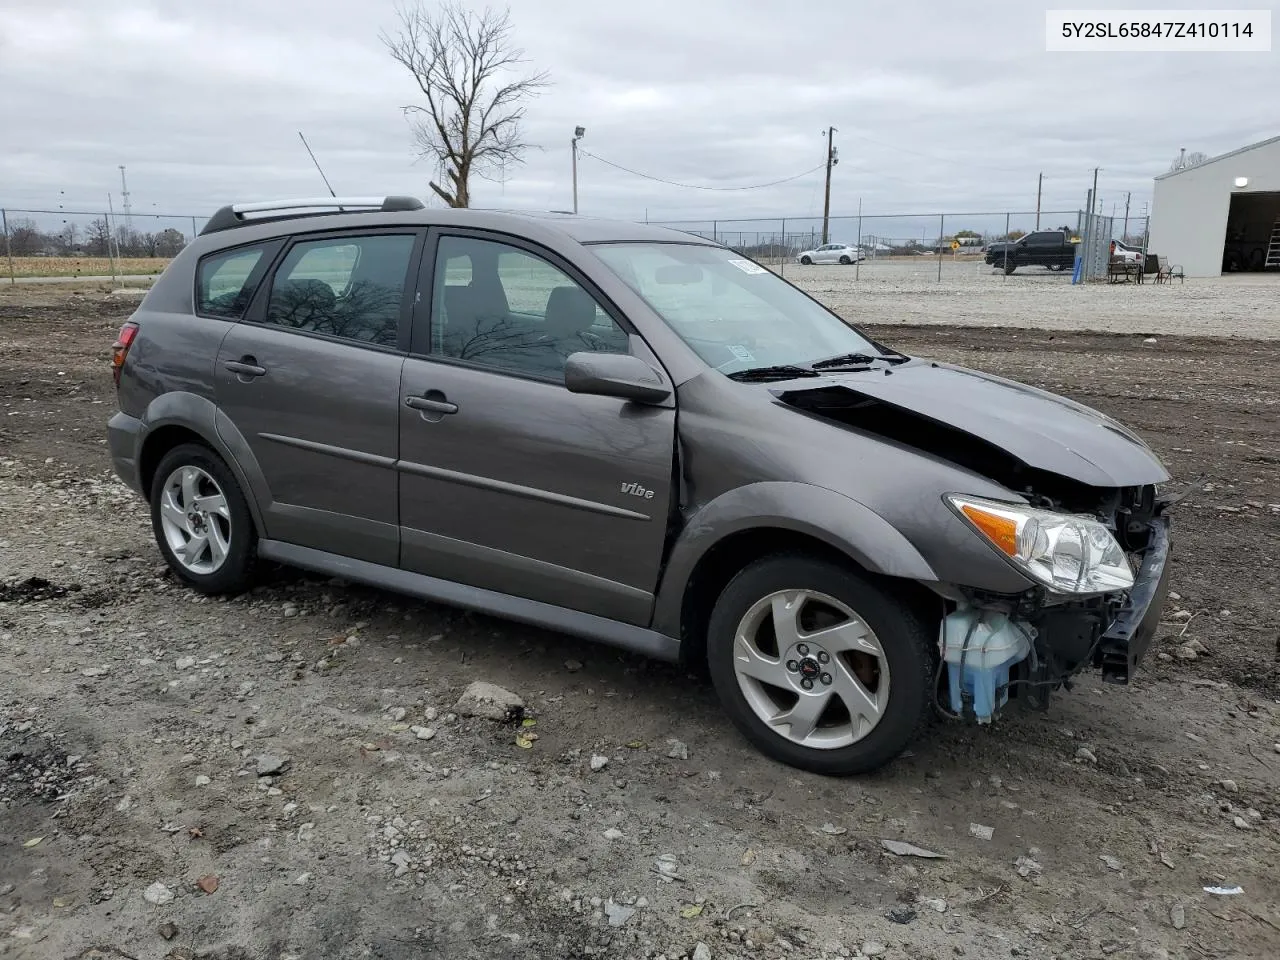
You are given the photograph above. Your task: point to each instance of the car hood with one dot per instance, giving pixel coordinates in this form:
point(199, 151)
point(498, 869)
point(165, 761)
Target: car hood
point(1044, 431)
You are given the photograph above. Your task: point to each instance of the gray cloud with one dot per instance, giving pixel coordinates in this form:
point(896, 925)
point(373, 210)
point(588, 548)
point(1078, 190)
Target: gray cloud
point(939, 106)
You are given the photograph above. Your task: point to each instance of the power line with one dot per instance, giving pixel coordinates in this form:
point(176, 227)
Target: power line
point(697, 186)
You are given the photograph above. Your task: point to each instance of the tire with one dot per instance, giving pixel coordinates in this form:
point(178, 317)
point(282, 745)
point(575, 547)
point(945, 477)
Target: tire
point(807, 261)
point(227, 529)
point(846, 261)
point(901, 685)
point(1010, 267)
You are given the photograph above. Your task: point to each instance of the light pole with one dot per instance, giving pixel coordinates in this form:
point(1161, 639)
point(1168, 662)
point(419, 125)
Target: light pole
point(578, 133)
point(832, 160)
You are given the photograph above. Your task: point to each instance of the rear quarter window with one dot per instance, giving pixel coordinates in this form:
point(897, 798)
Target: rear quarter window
point(225, 281)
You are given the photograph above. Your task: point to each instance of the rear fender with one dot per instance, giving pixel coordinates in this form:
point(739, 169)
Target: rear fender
point(201, 417)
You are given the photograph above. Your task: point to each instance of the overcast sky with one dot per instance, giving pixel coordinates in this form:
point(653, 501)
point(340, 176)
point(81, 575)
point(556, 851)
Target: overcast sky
point(950, 106)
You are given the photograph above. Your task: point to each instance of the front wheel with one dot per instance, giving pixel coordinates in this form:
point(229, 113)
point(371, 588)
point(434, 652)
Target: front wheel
point(807, 261)
point(201, 520)
point(818, 667)
point(1010, 267)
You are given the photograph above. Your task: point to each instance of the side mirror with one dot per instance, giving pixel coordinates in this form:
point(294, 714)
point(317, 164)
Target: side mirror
point(614, 375)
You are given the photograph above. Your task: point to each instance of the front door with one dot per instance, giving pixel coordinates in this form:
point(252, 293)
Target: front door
point(508, 481)
point(310, 379)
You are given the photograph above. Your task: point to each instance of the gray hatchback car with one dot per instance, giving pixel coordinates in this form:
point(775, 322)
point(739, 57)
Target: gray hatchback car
point(641, 437)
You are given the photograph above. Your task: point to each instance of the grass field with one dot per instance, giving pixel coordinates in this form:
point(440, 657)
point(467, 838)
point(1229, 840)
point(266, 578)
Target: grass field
point(82, 266)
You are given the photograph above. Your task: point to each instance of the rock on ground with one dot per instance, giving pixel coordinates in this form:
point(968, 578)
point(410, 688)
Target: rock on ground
point(490, 701)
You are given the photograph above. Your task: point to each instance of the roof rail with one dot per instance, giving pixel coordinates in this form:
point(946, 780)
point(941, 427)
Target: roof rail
point(240, 214)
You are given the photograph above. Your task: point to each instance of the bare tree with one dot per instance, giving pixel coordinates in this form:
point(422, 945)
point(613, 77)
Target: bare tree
point(469, 72)
point(67, 239)
point(25, 238)
point(168, 242)
point(1185, 160)
point(98, 238)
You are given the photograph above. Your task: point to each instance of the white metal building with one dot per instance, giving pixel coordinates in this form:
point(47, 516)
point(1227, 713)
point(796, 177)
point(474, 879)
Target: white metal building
point(1222, 215)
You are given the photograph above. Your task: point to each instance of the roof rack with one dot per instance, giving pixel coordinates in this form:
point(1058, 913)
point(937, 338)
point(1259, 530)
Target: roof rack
point(240, 214)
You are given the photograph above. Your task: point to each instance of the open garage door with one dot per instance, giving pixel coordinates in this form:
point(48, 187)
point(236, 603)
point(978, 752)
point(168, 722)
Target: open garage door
point(1253, 233)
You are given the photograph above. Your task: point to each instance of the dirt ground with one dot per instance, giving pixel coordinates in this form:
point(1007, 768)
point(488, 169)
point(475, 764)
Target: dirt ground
point(135, 718)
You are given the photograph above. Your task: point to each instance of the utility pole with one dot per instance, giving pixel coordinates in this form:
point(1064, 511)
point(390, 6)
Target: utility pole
point(1039, 184)
point(128, 207)
point(578, 133)
point(111, 215)
point(1094, 193)
point(1124, 234)
point(832, 160)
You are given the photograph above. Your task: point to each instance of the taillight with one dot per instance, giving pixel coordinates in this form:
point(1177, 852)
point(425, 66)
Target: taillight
point(120, 349)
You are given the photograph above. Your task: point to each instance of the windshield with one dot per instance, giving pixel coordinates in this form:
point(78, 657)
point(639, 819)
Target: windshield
point(735, 314)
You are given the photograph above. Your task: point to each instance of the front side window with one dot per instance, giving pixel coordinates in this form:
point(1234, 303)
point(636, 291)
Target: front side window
point(223, 287)
point(504, 307)
point(734, 313)
point(348, 287)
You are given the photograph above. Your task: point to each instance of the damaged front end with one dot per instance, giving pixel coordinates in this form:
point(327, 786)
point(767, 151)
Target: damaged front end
point(997, 647)
point(1084, 525)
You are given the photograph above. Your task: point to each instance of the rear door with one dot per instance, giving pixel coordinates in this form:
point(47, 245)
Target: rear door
point(310, 379)
point(508, 481)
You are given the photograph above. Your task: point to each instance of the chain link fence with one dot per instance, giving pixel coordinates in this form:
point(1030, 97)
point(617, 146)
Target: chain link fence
point(53, 242)
point(884, 242)
point(56, 242)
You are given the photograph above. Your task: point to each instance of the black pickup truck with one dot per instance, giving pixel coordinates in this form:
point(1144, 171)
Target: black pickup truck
point(1054, 249)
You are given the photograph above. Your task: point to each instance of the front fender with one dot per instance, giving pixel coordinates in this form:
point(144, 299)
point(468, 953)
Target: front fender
point(201, 417)
point(837, 520)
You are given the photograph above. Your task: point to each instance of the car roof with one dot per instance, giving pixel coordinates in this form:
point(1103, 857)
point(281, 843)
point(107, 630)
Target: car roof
point(229, 226)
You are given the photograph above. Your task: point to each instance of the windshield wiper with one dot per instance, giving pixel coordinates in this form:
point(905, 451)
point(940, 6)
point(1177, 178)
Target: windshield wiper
point(845, 360)
point(782, 371)
point(857, 360)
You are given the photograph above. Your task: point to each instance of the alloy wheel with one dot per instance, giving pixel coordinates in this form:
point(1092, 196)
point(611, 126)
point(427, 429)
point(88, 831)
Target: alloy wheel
point(811, 669)
point(195, 519)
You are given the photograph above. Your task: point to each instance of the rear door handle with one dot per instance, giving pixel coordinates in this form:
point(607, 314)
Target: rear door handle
point(430, 405)
point(245, 367)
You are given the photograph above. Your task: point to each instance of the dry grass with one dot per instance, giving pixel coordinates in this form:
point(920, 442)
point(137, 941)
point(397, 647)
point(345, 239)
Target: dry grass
point(82, 266)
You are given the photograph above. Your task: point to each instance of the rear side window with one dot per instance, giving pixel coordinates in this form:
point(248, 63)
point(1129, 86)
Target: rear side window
point(225, 282)
point(348, 287)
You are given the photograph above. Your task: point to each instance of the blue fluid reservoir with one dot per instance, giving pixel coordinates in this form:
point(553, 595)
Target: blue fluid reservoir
point(979, 648)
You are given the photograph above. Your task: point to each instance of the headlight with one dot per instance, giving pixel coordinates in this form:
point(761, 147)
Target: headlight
point(1066, 553)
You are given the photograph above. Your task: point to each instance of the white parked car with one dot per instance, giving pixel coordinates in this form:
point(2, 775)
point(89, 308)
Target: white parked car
point(1126, 253)
point(831, 253)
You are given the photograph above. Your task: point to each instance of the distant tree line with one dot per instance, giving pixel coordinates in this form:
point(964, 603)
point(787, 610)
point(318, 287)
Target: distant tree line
point(95, 240)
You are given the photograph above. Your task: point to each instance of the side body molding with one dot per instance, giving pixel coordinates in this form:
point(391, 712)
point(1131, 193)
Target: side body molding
point(835, 519)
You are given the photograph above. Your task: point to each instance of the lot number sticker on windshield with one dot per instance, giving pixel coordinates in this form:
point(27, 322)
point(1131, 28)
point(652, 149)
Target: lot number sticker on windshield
point(746, 266)
point(741, 352)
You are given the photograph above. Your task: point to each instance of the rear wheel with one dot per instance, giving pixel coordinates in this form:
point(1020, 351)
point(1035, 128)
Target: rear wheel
point(846, 261)
point(201, 520)
point(817, 666)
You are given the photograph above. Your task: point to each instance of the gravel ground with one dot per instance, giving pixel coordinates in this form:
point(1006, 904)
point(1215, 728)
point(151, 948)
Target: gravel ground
point(973, 294)
point(286, 774)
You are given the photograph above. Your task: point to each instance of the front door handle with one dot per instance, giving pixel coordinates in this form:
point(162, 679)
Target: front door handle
point(245, 367)
point(430, 404)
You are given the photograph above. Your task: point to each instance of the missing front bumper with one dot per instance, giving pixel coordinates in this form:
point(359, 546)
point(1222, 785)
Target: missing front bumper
point(1126, 641)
